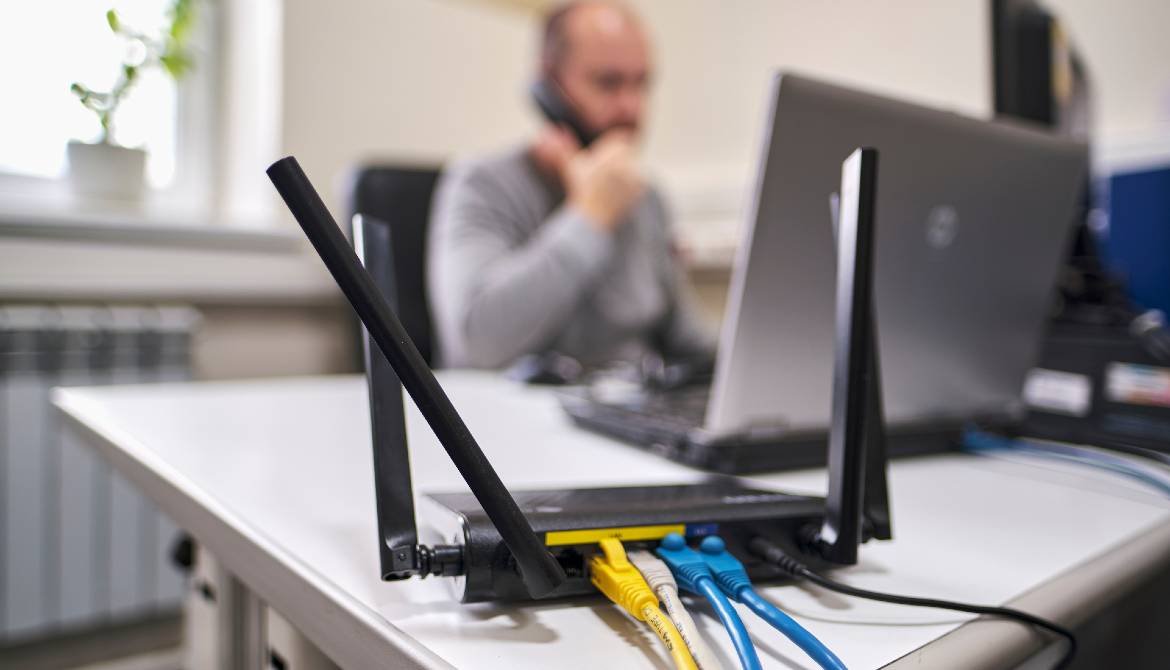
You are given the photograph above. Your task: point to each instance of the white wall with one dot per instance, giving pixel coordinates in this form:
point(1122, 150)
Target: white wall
point(715, 56)
point(413, 79)
point(432, 78)
point(1127, 48)
point(715, 60)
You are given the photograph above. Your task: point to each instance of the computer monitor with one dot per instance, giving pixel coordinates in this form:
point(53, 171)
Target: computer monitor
point(1037, 73)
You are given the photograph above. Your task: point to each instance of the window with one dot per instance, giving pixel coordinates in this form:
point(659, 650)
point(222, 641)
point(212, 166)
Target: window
point(53, 44)
point(209, 137)
point(48, 45)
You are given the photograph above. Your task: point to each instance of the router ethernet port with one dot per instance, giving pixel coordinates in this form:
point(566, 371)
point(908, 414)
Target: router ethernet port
point(572, 561)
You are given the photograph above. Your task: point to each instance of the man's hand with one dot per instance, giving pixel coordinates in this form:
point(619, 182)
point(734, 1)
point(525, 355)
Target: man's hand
point(604, 181)
point(553, 150)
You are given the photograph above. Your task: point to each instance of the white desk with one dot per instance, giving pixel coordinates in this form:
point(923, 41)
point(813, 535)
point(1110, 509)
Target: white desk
point(274, 479)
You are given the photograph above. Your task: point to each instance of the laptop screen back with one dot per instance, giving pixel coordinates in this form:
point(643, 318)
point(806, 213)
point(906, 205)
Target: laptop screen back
point(972, 218)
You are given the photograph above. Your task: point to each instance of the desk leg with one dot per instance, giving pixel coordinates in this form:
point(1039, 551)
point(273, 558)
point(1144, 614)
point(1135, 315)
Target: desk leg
point(250, 642)
point(225, 622)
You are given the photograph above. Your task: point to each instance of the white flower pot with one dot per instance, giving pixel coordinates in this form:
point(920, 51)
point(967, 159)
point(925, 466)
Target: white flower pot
point(106, 171)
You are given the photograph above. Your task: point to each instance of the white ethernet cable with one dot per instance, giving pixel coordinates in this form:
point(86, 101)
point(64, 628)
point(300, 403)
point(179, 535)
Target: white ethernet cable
point(657, 575)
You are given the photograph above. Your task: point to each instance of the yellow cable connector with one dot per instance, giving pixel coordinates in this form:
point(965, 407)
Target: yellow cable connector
point(614, 575)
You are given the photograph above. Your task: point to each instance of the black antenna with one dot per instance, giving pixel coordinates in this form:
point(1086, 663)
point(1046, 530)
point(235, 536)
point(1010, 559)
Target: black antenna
point(398, 550)
point(540, 571)
point(857, 455)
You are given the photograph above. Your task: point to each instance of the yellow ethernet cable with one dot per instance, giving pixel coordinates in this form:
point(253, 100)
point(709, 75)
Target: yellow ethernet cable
point(613, 575)
point(666, 631)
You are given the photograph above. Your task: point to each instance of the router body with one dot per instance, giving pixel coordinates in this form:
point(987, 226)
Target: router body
point(537, 544)
point(571, 523)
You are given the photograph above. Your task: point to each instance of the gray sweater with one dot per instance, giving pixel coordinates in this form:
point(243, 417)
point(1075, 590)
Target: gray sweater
point(512, 270)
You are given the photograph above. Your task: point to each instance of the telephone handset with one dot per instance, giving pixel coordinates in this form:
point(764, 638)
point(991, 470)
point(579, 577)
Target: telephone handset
point(557, 108)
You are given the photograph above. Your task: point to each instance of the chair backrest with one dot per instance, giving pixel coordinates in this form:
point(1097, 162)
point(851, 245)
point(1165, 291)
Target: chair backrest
point(401, 197)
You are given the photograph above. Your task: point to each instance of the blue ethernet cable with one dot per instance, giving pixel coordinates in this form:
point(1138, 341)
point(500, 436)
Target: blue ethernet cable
point(977, 441)
point(733, 580)
point(692, 574)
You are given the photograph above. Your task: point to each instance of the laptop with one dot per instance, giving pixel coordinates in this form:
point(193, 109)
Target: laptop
point(973, 220)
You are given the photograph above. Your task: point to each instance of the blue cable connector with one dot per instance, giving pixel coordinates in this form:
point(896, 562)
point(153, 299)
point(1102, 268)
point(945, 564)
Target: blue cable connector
point(733, 581)
point(693, 575)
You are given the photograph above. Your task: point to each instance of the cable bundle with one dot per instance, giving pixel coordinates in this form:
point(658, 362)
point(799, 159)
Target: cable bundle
point(621, 582)
point(717, 575)
point(657, 575)
point(979, 442)
point(639, 581)
point(778, 557)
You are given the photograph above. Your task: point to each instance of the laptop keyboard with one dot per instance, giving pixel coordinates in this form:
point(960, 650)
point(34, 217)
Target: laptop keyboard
point(676, 410)
point(685, 404)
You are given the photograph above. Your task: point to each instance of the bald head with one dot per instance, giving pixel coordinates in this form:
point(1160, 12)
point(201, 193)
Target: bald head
point(598, 54)
point(586, 21)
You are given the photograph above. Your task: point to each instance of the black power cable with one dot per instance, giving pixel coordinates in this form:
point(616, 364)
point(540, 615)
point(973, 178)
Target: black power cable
point(778, 557)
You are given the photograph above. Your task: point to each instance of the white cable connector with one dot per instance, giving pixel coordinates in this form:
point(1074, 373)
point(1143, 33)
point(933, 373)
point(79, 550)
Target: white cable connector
point(656, 573)
point(661, 581)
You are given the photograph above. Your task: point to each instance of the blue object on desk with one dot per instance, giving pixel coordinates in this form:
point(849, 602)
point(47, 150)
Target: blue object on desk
point(1138, 242)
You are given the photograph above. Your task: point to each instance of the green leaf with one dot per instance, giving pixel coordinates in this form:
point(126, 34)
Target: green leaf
point(177, 63)
point(182, 17)
point(130, 72)
point(112, 19)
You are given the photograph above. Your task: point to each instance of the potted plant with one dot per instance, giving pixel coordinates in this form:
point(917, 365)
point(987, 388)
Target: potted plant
point(104, 169)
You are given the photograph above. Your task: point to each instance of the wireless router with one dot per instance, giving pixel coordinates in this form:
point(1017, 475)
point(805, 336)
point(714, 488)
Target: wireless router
point(538, 543)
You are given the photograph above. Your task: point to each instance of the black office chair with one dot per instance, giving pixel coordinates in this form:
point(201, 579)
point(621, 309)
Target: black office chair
point(401, 198)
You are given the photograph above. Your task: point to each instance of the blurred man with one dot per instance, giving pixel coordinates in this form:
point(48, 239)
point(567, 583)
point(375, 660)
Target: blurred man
point(555, 247)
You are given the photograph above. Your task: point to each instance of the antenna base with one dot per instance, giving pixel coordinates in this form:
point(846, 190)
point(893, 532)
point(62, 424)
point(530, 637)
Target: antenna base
point(441, 560)
point(813, 542)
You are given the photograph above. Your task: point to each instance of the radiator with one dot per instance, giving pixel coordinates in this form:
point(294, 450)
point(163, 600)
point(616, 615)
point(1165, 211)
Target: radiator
point(79, 548)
